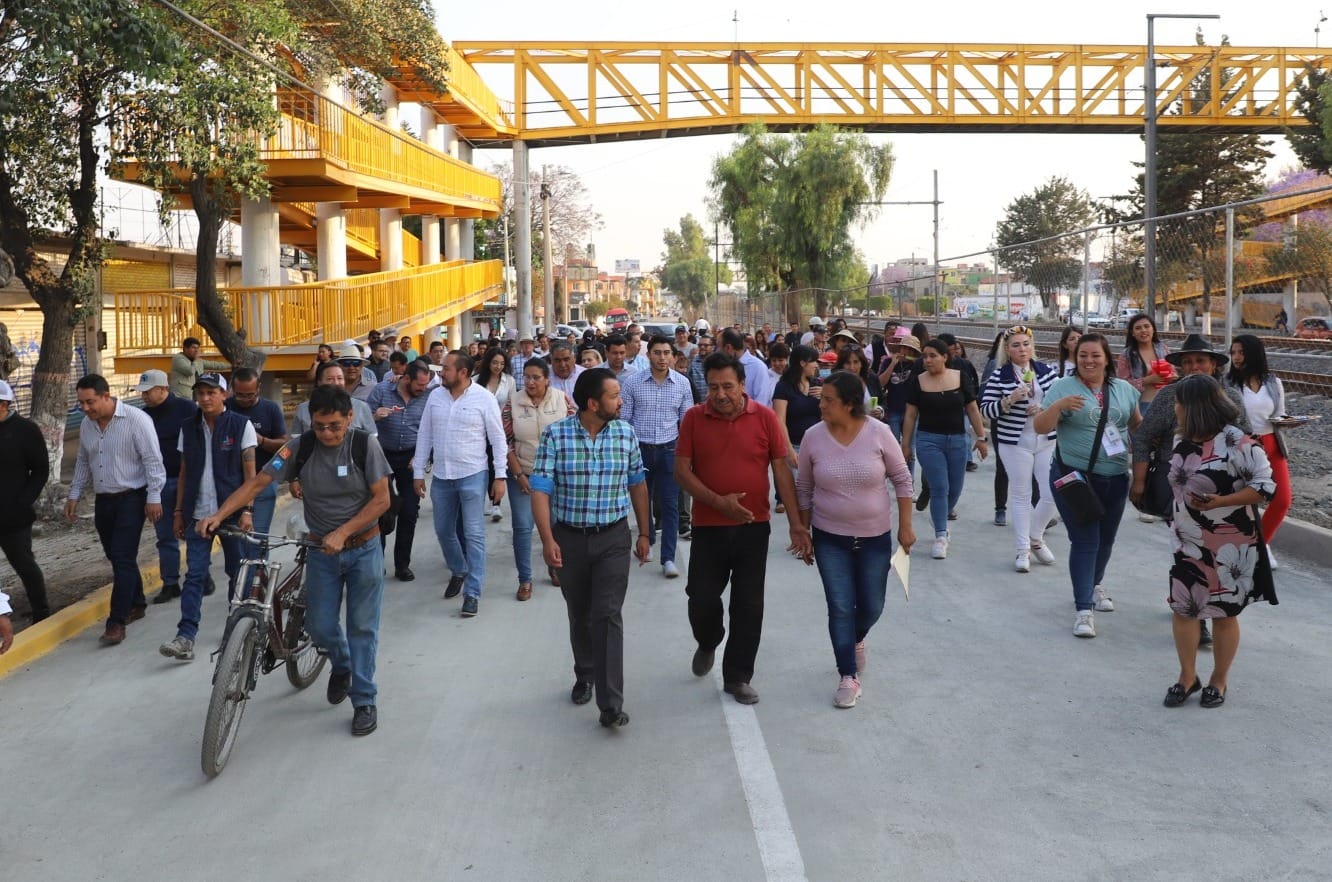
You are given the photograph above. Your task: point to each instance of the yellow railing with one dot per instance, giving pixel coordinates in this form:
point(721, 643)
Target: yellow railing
point(313, 127)
point(302, 315)
point(467, 87)
point(363, 227)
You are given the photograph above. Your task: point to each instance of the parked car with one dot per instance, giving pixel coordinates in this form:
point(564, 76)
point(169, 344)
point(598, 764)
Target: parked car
point(561, 331)
point(1314, 328)
point(658, 326)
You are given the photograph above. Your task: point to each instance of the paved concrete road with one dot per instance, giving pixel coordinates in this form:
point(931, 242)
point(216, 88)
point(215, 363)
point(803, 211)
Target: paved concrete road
point(989, 744)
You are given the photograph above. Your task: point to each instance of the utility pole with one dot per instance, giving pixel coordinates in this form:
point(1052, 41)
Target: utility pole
point(935, 284)
point(548, 273)
point(522, 212)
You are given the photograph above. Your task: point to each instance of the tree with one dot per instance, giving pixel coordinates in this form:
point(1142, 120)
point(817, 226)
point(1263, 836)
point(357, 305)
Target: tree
point(572, 219)
point(789, 201)
point(1050, 212)
point(65, 65)
point(1313, 143)
point(594, 310)
point(688, 267)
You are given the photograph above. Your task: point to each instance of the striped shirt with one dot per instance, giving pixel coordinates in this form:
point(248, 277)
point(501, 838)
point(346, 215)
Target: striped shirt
point(1008, 424)
point(655, 409)
point(517, 362)
point(123, 456)
point(398, 430)
point(587, 478)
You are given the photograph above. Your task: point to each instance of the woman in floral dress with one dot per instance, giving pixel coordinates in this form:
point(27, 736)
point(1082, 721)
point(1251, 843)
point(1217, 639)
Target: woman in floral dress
point(1219, 476)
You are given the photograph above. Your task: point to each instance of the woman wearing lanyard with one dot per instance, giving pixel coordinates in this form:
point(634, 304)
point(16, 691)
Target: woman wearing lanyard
point(1074, 411)
point(938, 399)
point(1013, 397)
point(1264, 400)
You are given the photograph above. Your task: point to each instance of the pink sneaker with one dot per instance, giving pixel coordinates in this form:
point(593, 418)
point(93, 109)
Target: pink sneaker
point(848, 691)
point(862, 658)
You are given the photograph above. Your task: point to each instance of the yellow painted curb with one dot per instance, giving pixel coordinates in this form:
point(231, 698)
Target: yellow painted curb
point(36, 641)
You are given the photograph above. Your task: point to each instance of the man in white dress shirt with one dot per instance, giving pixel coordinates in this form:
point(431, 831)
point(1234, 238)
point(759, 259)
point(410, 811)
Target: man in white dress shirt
point(459, 418)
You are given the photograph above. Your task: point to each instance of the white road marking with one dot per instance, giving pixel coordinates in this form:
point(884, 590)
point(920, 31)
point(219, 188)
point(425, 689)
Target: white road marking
point(777, 845)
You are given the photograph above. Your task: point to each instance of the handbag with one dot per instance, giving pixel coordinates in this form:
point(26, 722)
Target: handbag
point(1157, 496)
point(1080, 500)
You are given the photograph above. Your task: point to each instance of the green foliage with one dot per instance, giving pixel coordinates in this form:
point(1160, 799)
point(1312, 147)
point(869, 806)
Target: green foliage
point(1313, 143)
point(594, 310)
point(688, 266)
point(1054, 208)
point(789, 202)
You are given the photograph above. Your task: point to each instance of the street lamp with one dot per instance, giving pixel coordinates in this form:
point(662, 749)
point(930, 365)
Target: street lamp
point(1149, 169)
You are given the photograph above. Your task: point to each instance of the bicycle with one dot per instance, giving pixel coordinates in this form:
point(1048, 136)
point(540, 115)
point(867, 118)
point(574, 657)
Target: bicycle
point(265, 629)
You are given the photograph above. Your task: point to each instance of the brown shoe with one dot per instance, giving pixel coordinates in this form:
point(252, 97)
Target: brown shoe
point(554, 576)
point(136, 613)
point(743, 692)
point(525, 591)
point(112, 635)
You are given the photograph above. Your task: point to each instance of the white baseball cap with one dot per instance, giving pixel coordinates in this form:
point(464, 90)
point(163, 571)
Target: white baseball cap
point(151, 380)
point(6, 392)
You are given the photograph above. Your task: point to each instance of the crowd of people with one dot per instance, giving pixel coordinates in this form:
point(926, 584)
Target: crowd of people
point(698, 437)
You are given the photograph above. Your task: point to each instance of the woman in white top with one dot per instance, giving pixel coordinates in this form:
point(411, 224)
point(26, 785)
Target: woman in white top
point(492, 373)
point(1264, 401)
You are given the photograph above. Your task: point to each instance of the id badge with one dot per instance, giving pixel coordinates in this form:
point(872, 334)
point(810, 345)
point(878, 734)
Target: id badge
point(1112, 442)
point(342, 471)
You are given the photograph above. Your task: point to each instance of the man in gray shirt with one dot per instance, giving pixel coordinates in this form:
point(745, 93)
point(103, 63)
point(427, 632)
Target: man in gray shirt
point(344, 495)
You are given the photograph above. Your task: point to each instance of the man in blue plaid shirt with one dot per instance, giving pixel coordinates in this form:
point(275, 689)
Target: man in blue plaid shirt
point(587, 474)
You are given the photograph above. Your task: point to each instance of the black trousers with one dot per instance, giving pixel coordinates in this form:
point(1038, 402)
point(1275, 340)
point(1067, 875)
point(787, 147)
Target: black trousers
point(594, 579)
point(409, 509)
point(738, 555)
point(17, 546)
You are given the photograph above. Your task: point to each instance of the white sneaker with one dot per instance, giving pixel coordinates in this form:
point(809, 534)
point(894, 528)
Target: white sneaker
point(1102, 600)
point(648, 559)
point(1043, 554)
point(496, 514)
point(670, 570)
point(1023, 563)
point(1085, 624)
point(939, 550)
point(1147, 518)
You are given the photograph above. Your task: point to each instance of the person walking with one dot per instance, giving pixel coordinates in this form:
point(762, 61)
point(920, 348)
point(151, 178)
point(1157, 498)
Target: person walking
point(24, 470)
point(353, 362)
point(526, 415)
point(186, 366)
point(217, 454)
point(492, 374)
point(1219, 476)
point(1098, 450)
point(397, 405)
point(722, 458)
point(587, 475)
point(118, 457)
point(1264, 400)
point(1013, 396)
point(846, 463)
point(343, 498)
point(654, 402)
point(270, 432)
point(564, 372)
point(732, 342)
point(331, 374)
point(459, 419)
point(939, 399)
point(518, 361)
point(169, 413)
point(1143, 349)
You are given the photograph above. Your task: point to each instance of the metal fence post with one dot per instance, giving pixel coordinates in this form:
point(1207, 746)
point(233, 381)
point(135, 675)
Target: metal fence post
point(1086, 271)
point(1230, 277)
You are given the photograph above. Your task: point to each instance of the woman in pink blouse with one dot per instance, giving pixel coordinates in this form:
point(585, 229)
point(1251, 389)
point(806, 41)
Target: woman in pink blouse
point(840, 457)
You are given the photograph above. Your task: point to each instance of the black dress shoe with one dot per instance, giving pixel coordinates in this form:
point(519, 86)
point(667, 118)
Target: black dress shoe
point(1177, 694)
point(614, 719)
point(167, 594)
point(469, 607)
point(209, 587)
point(923, 500)
point(338, 687)
point(582, 693)
point(365, 720)
point(703, 659)
point(405, 574)
point(455, 586)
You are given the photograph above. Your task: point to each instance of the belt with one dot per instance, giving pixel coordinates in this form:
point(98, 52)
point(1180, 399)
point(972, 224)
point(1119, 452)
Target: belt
point(670, 443)
point(353, 542)
point(120, 493)
point(591, 530)
point(399, 452)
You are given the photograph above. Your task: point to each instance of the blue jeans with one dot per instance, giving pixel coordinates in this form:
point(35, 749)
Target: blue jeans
point(462, 501)
point(895, 422)
point(663, 496)
point(360, 572)
point(264, 505)
point(943, 462)
point(1090, 544)
point(199, 559)
point(168, 546)
point(520, 509)
point(855, 583)
point(119, 521)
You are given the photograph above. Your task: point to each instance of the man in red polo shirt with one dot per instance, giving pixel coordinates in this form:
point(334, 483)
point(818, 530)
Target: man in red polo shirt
point(726, 446)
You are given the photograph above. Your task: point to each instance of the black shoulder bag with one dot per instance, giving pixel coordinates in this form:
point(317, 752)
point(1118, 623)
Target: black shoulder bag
point(1081, 502)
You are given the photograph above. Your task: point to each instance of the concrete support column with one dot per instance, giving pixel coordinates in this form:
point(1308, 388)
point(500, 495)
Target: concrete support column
point(522, 260)
point(390, 239)
point(260, 264)
point(465, 330)
point(429, 239)
point(331, 230)
point(467, 231)
point(452, 239)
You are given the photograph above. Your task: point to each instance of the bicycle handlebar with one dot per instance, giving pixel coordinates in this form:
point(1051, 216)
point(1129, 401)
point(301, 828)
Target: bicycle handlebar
point(271, 539)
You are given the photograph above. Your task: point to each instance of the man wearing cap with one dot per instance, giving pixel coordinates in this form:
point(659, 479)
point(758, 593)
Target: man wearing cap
point(815, 326)
point(526, 352)
point(682, 344)
point(23, 473)
point(168, 411)
point(270, 429)
point(353, 363)
point(118, 456)
point(186, 366)
point(217, 455)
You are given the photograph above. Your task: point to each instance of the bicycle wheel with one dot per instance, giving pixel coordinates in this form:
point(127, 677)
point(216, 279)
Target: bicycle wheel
point(230, 692)
point(304, 662)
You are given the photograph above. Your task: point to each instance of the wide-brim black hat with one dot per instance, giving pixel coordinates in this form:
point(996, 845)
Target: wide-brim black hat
point(1196, 343)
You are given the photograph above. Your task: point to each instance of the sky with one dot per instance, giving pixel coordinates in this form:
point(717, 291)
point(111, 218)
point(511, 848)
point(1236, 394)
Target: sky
point(641, 188)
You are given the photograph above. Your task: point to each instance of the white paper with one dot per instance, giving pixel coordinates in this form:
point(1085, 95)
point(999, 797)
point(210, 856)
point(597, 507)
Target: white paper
point(901, 564)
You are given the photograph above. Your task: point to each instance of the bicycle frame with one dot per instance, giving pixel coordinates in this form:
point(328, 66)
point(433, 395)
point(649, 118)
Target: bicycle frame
point(256, 596)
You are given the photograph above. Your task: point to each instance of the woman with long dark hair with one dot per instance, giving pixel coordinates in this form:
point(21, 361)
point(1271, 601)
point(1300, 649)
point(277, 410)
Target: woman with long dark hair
point(1264, 399)
point(852, 359)
point(492, 374)
point(1142, 350)
point(1064, 364)
point(795, 400)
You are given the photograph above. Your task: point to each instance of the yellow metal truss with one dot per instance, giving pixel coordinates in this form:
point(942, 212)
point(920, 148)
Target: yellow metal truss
point(572, 92)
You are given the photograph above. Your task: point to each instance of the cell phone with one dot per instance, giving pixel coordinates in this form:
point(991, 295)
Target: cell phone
point(1070, 478)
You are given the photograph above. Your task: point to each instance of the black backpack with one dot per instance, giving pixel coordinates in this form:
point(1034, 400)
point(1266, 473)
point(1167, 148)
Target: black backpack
point(388, 521)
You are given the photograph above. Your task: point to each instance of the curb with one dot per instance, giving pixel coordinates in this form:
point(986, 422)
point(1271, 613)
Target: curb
point(1306, 541)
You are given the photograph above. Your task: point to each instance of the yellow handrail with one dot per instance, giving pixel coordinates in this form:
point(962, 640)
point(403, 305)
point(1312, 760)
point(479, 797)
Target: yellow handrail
point(466, 86)
point(302, 315)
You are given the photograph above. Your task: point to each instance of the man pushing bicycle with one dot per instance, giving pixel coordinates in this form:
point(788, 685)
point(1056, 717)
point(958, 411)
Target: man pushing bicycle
point(345, 488)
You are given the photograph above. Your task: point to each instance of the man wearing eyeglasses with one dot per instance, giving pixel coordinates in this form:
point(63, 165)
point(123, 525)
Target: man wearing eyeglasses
point(270, 429)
